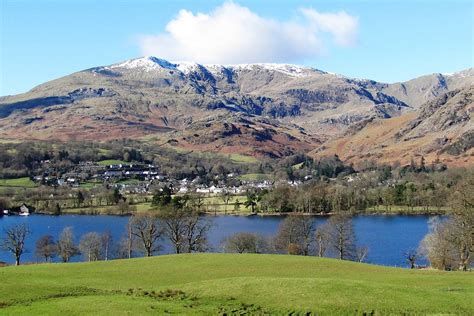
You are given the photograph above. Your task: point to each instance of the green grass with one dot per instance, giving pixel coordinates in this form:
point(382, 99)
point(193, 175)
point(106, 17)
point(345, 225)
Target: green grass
point(216, 199)
point(214, 204)
point(18, 182)
point(254, 177)
point(297, 166)
point(104, 151)
point(242, 159)
point(143, 207)
point(129, 181)
point(106, 210)
point(207, 284)
point(112, 162)
point(90, 184)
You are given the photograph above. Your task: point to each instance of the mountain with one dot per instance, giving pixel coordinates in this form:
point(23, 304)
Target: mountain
point(442, 130)
point(254, 109)
point(423, 89)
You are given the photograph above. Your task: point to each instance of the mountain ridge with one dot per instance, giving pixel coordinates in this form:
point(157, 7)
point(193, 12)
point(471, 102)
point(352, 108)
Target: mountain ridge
point(255, 109)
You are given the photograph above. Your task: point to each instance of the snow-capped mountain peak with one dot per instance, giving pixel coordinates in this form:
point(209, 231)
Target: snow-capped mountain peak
point(151, 63)
point(147, 63)
point(186, 67)
point(287, 69)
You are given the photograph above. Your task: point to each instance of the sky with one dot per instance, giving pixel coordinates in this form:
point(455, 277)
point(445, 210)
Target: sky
point(384, 40)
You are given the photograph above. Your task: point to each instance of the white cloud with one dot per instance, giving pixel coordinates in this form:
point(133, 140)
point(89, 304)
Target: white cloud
point(234, 34)
point(341, 25)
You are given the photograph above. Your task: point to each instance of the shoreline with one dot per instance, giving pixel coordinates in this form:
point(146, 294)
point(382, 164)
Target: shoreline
point(249, 214)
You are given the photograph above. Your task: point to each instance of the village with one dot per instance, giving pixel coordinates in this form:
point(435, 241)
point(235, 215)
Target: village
point(137, 178)
point(89, 188)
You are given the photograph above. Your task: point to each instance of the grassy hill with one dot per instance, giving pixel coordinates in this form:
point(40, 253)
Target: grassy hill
point(231, 284)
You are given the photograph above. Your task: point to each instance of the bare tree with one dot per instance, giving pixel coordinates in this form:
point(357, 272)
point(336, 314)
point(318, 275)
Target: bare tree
point(174, 222)
point(342, 237)
point(107, 241)
point(322, 237)
point(411, 256)
point(91, 246)
point(462, 222)
point(127, 242)
point(436, 246)
point(225, 197)
point(125, 208)
point(14, 240)
point(66, 246)
point(195, 233)
point(125, 247)
point(46, 248)
point(197, 201)
point(246, 242)
point(295, 234)
point(361, 253)
point(146, 229)
point(121, 249)
point(185, 229)
point(449, 244)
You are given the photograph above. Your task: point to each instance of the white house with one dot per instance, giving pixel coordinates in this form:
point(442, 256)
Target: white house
point(24, 210)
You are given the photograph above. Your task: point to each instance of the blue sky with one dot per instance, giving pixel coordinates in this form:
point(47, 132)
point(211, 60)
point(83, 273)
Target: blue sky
point(392, 41)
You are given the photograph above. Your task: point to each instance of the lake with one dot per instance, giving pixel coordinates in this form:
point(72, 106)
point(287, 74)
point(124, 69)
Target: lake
point(387, 237)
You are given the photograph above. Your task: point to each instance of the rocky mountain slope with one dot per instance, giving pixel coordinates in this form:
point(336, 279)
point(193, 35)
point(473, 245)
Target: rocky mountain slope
point(423, 89)
point(254, 109)
point(442, 130)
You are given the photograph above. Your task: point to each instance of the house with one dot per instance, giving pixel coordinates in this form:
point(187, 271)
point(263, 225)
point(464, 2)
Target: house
point(24, 210)
point(183, 189)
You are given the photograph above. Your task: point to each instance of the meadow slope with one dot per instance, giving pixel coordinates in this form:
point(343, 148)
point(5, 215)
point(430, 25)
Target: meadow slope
point(231, 284)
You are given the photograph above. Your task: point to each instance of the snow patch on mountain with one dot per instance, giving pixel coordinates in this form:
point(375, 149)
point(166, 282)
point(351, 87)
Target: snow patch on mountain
point(287, 69)
point(461, 74)
point(187, 67)
point(150, 63)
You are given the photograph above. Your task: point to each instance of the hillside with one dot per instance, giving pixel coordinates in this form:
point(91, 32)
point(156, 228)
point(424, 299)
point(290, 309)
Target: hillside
point(442, 130)
point(253, 109)
point(425, 88)
point(231, 284)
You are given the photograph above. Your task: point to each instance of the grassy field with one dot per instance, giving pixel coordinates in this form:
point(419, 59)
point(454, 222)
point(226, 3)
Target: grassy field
point(90, 184)
point(105, 210)
point(254, 177)
point(242, 159)
point(212, 204)
point(129, 181)
point(209, 284)
point(112, 162)
point(297, 166)
point(18, 182)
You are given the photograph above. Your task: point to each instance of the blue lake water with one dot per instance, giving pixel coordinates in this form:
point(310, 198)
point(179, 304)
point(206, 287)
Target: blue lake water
point(387, 237)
